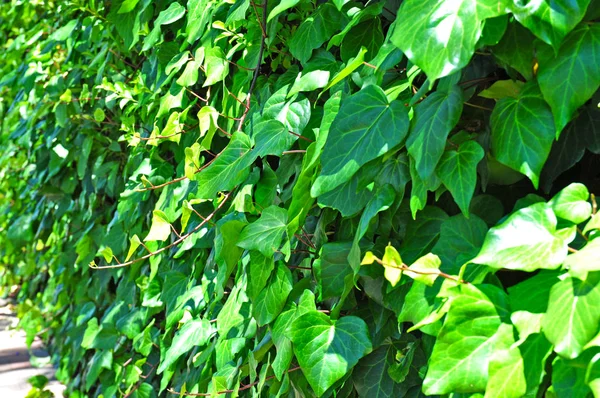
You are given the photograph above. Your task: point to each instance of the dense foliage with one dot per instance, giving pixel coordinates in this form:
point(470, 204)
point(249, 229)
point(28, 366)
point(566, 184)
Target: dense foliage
point(305, 198)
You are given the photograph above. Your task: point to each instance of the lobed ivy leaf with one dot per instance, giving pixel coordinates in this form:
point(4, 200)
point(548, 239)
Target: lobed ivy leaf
point(525, 241)
point(440, 37)
point(523, 132)
point(570, 78)
point(458, 171)
point(326, 350)
point(353, 141)
point(266, 233)
point(433, 120)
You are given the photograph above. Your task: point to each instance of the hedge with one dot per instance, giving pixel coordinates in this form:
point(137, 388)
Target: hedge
point(304, 198)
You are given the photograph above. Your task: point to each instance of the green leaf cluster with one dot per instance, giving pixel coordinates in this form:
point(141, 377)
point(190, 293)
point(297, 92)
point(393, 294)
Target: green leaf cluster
point(298, 198)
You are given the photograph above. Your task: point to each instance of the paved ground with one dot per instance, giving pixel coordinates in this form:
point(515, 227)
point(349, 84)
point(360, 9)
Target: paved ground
point(15, 368)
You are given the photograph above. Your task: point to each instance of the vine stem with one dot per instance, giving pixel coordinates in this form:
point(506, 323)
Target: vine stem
point(175, 243)
point(405, 267)
point(261, 50)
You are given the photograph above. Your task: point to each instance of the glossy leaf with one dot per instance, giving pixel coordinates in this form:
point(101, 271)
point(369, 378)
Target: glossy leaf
point(440, 37)
point(526, 241)
point(522, 132)
point(326, 349)
point(266, 233)
point(458, 171)
point(570, 78)
point(352, 143)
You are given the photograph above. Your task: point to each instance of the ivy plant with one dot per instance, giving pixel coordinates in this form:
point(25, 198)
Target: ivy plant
point(298, 198)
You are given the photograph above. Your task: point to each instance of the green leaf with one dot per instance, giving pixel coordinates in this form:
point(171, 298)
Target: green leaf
point(517, 50)
point(550, 20)
point(310, 81)
point(460, 361)
point(350, 67)
point(569, 376)
point(101, 360)
point(523, 132)
point(572, 204)
point(229, 169)
point(458, 171)
point(99, 115)
point(281, 7)
point(440, 37)
point(314, 31)
point(506, 367)
point(331, 269)
point(371, 377)
point(525, 241)
point(381, 201)
point(172, 14)
point(353, 141)
point(272, 138)
point(570, 78)
point(193, 333)
point(216, 66)
point(160, 229)
point(422, 234)
point(134, 243)
point(367, 35)
point(460, 240)
point(272, 298)
point(259, 271)
point(426, 269)
point(327, 350)
point(502, 89)
point(433, 120)
point(199, 14)
point(585, 260)
point(266, 233)
point(573, 314)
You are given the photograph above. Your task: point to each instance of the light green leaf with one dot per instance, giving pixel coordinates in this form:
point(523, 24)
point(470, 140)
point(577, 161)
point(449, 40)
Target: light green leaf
point(99, 115)
point(458, 171)
point(594, 223)
point(281, 7)
point(266, 233)
point(502, 89)
point(134, 243)
point(506, 367)
point(272, 138)
point(570, 78)
point(229, 169)
point(272, 298)
point(193, 333)
point(353, 141)
point(573, 315)
point(350, 67)
point(440, 36)
point(172, 14)
point(460, 360)
point(160, 229)
point(199, 14)
point(550, 20)
point(585, 260)
point(310, 81)
point(525, 241)
point(259, 271)
point(523, 132)
point(392, 264)
point(426, 269)
point(572, 203)
point(432, 121)
point(216, 66)
point(326, 350)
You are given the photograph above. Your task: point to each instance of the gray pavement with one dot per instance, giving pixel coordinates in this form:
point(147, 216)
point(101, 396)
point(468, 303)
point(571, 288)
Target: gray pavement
point(15, 368)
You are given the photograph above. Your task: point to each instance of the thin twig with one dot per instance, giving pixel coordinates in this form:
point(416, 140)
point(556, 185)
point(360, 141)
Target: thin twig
point(405, 267)
point(478, 106)
point(300, 136)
